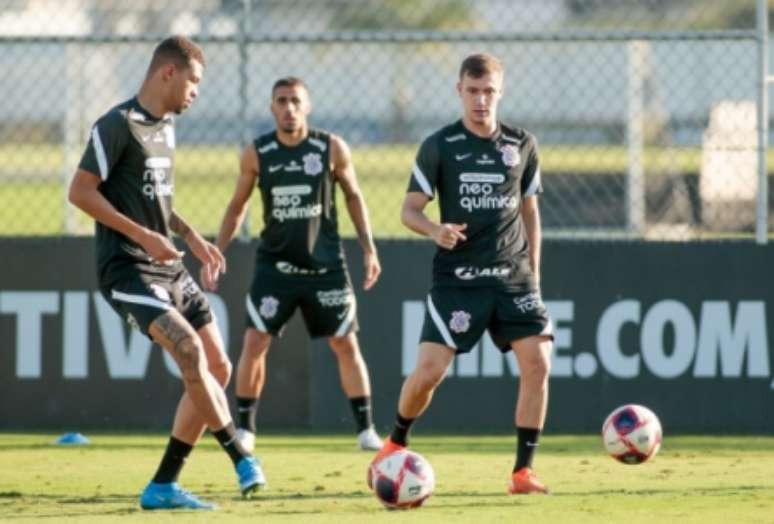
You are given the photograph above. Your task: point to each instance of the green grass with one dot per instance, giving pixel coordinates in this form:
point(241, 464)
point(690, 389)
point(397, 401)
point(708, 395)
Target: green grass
point(321, 479)
point(32, 186)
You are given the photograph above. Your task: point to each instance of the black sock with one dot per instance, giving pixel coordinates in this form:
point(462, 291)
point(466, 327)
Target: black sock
point(246, 411)
point(172, 462)
point(228, 441)
point(401, 430)
point(361, 408)
point(526, 446)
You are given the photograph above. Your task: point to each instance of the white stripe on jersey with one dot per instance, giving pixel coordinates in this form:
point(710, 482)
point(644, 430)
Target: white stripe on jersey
point(534, 185)
point(344, 327)
point(438, 321)
point(254, 316)
point(139, 299)
point(422, 181)
point(99, 151)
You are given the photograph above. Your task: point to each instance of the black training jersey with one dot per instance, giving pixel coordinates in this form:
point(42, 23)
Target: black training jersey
point(481, 182)
point(299, 206)
point(133, 153)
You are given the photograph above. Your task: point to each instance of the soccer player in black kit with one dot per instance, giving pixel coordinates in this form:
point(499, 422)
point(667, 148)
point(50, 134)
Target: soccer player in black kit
point(300, 260)
point(486, 271)
point(125, 182)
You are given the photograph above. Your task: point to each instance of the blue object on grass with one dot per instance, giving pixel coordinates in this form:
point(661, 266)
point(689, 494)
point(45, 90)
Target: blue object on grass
point(73, 438)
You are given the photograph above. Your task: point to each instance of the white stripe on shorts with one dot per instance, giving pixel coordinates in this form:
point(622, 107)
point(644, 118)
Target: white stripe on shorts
point(254, 316)
point(347, 322)
point(139, 299)
point(439, 324)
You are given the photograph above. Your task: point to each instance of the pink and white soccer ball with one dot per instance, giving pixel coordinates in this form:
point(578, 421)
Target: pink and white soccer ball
point(632, 434)
point(402, 480)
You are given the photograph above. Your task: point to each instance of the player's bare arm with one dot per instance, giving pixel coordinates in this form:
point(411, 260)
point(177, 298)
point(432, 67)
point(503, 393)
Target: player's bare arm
point(413, 216)
point(84, 194)
point(237, 208)
point(344, 171)
point(531, 216)
point(213, 262)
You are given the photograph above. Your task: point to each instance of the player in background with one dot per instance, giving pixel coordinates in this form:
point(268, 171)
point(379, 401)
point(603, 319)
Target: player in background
point(486, 270)
point(300, 259)
point(125, 182)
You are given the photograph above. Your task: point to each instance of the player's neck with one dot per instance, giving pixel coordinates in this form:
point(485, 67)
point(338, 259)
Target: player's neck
point(150, 102)
point(484, 130)
point(293, 138)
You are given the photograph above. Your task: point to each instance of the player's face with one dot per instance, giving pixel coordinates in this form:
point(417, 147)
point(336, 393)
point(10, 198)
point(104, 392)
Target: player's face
point(184, 86)
point(290, 106)
point(480, 97)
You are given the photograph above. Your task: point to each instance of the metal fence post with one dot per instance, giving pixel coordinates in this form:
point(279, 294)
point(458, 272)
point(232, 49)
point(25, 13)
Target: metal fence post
point(762, 213)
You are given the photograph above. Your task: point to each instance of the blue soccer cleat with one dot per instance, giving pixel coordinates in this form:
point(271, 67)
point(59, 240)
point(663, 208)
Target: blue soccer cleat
point(170, 496)
point(251, 477)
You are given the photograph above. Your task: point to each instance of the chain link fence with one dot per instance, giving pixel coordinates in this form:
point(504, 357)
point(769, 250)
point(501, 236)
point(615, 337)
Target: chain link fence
point(645, 110)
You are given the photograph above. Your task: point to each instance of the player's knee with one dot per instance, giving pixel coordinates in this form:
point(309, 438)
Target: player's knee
point(536, 368)
point(428, 375)
point(221, 370)
point(344, 347)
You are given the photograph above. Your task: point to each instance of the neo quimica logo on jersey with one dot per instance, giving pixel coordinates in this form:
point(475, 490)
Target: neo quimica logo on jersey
point(155, 182)
point(477, 191)
point(287, 203)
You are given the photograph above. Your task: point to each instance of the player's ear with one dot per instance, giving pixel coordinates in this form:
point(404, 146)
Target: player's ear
point(459, 88)
point(168, 71)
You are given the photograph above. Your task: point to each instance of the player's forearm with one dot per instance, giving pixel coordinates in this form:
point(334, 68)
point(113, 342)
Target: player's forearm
point(534, 238)
point(180, 227)
point(232, 220)
point(358, 212)
point(417, 221)
point(94, 204)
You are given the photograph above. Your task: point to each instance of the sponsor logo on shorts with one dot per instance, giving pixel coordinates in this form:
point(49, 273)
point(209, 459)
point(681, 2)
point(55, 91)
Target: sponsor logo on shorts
point(189, 286)
point(529, 302)
point(268, 306)
point(132, 321)
point(161, 293)
point(471, 272)
point(290, 269)
point(335, 297)
point(460, 321)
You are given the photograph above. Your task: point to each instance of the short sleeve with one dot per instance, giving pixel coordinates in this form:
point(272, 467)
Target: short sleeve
point(531, 183)
point(424, 175)
point(107, 141)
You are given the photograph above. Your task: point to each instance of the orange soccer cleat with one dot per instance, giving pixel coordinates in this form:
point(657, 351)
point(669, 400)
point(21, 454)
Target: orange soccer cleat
point(388, 447)
point(525, 482)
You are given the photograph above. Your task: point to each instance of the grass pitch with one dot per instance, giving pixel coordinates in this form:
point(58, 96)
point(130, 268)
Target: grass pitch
point(316, 478)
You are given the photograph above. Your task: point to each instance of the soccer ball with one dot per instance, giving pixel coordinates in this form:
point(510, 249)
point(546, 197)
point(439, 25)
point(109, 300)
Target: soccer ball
point(402, 480)
point(632, 434)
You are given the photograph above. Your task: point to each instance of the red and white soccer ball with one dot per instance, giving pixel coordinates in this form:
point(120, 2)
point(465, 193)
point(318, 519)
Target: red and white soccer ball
point(632, 434)
point(402, 480)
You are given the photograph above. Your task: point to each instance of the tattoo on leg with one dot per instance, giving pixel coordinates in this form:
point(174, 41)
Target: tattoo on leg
point(183, 346)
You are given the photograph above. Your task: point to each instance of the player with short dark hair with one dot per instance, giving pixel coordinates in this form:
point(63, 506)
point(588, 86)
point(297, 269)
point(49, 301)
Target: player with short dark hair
point(300, 259)
point(125, 182)
point(486, 270)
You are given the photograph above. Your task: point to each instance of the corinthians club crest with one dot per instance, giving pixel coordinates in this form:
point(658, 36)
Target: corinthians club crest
point(268, 306)
point(312, 164)
point(511, 156)
point(460, 321)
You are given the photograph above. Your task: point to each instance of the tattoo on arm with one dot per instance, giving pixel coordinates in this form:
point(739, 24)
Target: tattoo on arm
point(178, 225)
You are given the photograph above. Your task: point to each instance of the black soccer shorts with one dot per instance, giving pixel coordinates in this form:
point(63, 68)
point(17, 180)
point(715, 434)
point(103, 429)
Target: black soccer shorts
point(456, 317)
point(140, 298)
point(326, 300)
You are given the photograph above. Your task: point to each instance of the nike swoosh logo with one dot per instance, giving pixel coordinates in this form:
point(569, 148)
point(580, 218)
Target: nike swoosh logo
point(462, 157)
point(272, 169)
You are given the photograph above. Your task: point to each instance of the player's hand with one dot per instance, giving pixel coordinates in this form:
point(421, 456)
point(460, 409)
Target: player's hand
point(159, 247)
point(213, 261)
point(448, 235)
point(372, 269)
